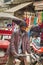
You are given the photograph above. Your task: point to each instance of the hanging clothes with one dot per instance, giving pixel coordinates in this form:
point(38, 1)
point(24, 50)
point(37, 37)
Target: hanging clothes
point(42, 16)
point(32, 20)
point(39, 18)
point(35, 21)
point(27, 20)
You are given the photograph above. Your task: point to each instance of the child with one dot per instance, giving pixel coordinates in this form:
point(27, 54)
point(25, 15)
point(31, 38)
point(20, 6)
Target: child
point(36, 38)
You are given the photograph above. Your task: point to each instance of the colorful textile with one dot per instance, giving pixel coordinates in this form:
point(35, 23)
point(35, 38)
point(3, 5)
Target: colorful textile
point(27, 20)
point(35, 21)
point(36, 40)
point(39, 18)
point(42, 16)
point(32, 20)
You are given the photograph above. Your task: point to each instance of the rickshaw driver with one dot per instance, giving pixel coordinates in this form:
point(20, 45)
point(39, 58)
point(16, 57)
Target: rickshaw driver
point(19, 44)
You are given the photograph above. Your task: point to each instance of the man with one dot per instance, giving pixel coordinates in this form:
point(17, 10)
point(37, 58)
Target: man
point(19, 44)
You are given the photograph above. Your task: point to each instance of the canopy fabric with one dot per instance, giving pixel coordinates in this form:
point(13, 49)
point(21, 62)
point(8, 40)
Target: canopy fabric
point(17, 20)
point(18, 7)
point(6, 15)
point(38, 5)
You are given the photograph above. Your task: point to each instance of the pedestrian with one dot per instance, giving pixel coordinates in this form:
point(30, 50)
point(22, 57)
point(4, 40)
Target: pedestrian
point(19, 44)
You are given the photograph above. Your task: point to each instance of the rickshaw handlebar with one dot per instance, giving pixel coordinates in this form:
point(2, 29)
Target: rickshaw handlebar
point(22, 55)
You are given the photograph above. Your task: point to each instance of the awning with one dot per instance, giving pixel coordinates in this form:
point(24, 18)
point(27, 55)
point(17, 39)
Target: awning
point(38, 5)
point(18, 7)
point(39, 8)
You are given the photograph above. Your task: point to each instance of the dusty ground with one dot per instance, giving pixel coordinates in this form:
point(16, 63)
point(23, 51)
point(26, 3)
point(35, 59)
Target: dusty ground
point(10, 63)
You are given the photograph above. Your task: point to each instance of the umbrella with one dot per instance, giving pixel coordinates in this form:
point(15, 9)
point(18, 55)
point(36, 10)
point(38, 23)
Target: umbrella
point(17, 20)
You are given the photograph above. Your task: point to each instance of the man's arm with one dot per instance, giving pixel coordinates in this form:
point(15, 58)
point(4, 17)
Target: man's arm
point(27, 44)
point(12, 44)
point(11, 47)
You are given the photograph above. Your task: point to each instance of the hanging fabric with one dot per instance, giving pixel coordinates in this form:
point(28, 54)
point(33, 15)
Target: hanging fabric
point(42, 16)
point(39, 18)
point(35, 21)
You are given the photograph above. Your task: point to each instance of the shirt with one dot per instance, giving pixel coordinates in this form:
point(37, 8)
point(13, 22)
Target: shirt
point(19, 46)
point(36, 40)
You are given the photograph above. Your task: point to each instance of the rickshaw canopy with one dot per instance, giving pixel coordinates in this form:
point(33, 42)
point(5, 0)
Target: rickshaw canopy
point(17, 20)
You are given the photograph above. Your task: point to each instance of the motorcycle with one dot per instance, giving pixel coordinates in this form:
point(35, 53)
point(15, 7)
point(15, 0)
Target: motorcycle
point(37, 51)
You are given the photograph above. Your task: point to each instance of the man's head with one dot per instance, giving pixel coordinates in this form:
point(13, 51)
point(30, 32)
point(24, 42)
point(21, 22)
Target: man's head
point(9, 26)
